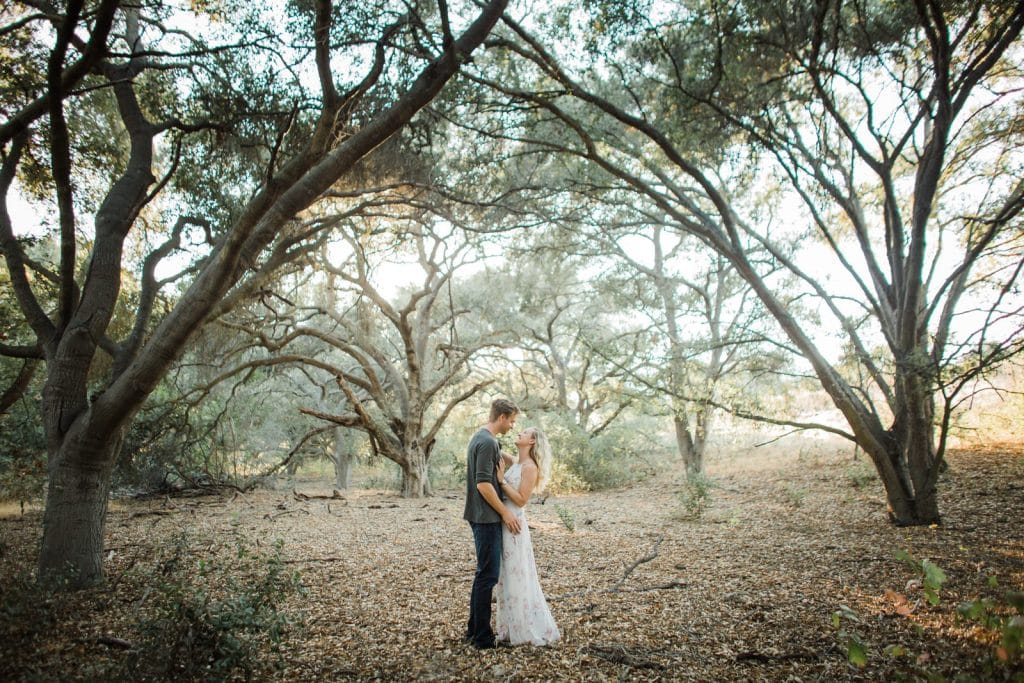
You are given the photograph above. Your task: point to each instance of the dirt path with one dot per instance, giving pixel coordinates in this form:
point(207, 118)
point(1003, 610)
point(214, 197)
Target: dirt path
point(745, 593)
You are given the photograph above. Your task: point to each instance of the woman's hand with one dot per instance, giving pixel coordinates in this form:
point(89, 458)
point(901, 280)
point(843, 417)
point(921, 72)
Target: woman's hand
point(511, 521)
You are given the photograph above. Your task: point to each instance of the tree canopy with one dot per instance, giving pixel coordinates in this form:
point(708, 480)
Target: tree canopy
point(606, 210)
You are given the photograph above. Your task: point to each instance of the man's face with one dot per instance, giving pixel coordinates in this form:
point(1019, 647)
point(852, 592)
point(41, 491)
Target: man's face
point(506, 423)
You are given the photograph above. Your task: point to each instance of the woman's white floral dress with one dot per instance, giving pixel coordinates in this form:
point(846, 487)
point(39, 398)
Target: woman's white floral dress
point(522, 612)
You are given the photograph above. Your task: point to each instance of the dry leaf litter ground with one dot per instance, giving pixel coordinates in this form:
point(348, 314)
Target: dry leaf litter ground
point(746, 593)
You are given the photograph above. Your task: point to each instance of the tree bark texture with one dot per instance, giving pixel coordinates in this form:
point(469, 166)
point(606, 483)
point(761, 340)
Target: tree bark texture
point(685, 443)
point(342, 460)
point(76, 511)
point(415, 481)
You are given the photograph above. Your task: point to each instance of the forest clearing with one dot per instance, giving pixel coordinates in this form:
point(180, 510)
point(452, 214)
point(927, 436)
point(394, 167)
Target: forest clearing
point(640, 589)
point(264, 266)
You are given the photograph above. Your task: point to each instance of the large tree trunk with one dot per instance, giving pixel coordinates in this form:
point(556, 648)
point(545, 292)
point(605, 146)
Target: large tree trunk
point(414, 479)
point(910, 481)
point(415, 482)
point(76, 510)
point(700, 437)
point(692, 443)
point(342, 460)
point(907, 506)
point(684, 441)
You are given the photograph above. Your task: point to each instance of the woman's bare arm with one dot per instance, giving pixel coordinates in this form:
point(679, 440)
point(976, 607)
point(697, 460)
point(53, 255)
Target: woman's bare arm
point(521, 496)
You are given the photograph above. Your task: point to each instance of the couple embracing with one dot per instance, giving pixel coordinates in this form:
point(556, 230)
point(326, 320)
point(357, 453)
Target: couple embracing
point(495, 498)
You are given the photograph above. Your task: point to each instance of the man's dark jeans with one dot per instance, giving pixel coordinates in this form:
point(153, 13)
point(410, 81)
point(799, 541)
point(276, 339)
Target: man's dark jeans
point(487, 538)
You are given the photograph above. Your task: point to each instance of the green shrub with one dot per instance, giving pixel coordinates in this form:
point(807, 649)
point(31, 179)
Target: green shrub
point(695, 495)
point(844, 620)
point(26, 608)
point(564, 480)
point(384, 474)
point(796, 495)
point(22, 454)
point(608, 461)
point(567, 517)
point(1006, 618)
point(447, 471)
point(932, 576)
point(166, 444)
point(861, 475)
point(211, 623)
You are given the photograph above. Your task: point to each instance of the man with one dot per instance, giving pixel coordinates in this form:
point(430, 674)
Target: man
point(485, 513)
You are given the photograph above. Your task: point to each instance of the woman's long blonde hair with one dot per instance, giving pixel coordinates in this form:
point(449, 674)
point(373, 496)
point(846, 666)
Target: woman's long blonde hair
point(541, 454)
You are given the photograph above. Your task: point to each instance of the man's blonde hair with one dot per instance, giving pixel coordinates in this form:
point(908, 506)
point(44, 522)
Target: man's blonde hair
point(502, 406)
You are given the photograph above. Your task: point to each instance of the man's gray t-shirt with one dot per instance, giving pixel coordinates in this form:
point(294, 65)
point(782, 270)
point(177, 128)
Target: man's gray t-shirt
point(481, 465)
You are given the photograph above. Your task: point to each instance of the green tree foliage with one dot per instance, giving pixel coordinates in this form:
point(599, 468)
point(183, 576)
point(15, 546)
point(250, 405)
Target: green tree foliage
point(181, 142)
point(868, 126)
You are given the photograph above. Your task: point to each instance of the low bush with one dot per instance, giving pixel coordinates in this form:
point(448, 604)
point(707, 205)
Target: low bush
point(1004, 617)
point(26, 609)
point(210, 620)
point(567, 516)
point(695, 497)
point(22, 455)
point(861, 475)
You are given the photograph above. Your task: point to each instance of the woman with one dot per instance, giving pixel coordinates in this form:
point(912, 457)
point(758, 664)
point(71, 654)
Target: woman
point(523, 615)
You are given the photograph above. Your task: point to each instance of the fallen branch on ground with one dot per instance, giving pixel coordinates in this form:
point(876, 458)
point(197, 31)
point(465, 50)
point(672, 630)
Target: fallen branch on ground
point(781, 657)
point(616, 587)
point(620, 654)
point(147, 513)
point(314, 559)
point(660, 587)
point(651, 554)
point(335, 495)
point(109, 641)
point(282, 514)
point(671, 585)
